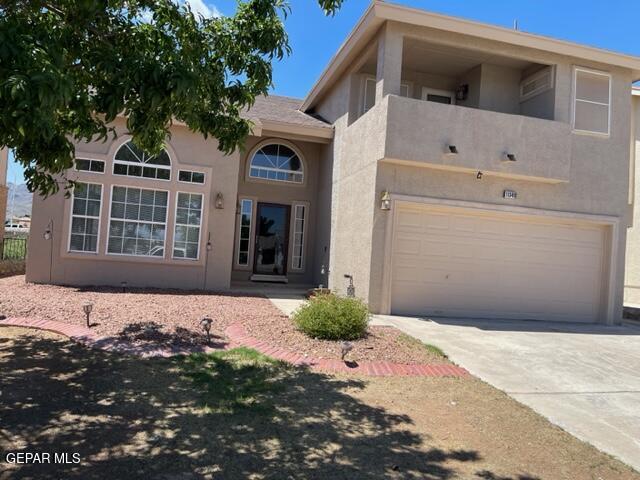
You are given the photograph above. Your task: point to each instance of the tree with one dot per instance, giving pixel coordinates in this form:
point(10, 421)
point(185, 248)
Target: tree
point(69, 67)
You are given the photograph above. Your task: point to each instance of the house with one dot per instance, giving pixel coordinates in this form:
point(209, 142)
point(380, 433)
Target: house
point(4, 190)
point(444, 166)
point(632, 273)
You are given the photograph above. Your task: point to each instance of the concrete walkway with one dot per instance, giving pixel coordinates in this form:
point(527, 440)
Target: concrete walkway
point(583, 378)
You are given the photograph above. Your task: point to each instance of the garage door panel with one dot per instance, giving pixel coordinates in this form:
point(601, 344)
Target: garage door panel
point(495, 266)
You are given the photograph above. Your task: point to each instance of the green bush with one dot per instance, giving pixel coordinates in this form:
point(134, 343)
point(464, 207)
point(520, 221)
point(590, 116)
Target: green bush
point(330, 317)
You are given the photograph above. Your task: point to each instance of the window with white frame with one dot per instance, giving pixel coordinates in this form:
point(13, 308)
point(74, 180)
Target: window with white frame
point(130, 161)
point(189, 176)
point(138, 222)
point(592, 101)
point(186, 239)
point(89, 165)
point(369, 93)
point(299, 213)
point(438, 96)
point(85, 217)
point(244, 235)
point(278, 163)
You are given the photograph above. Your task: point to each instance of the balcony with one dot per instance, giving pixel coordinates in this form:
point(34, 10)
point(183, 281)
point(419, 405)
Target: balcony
point(419, 133)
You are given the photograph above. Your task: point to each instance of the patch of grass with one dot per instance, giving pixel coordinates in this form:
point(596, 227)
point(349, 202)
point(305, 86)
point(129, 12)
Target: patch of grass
point(409, 340)
point(234, 380)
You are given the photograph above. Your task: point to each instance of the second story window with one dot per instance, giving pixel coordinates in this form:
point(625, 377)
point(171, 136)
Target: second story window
point(130, 161)
point(369, 93)
point(591, 101)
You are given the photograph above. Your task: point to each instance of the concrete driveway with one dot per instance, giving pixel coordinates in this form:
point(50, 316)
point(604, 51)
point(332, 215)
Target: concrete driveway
point(583, 378)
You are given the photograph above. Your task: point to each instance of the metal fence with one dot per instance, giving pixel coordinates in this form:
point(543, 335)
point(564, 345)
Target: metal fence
point(13, 249)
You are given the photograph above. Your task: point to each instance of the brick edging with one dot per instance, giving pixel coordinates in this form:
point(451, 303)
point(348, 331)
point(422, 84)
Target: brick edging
point(239, 337)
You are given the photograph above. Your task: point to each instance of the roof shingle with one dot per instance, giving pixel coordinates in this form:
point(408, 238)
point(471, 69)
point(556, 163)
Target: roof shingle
point(276, 108)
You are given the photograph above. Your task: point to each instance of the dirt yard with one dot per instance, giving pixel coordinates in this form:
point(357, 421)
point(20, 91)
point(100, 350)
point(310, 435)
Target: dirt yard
point(238, 415)
point(172, 318)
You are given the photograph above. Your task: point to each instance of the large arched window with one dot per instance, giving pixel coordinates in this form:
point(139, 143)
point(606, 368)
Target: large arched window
point(130, 161)
point(277, 162)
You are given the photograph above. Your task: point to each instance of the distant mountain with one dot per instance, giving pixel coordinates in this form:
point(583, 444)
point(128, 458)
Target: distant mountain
point(20, 198)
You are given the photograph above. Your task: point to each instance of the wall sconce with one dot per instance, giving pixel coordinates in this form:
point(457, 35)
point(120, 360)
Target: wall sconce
point(219, 203)
point(509, 157)
point(351, 289)
point(47, 235)
point(462, 92)
point(385, 201)
point(479, 175)
point(451, 150)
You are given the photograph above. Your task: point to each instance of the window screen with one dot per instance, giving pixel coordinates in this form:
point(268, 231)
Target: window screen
point(592, 101)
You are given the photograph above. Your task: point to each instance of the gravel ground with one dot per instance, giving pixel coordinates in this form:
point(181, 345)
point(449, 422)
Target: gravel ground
point(172, 317)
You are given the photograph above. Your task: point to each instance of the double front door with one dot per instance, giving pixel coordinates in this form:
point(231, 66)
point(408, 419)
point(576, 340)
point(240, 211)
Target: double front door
point(272, 239)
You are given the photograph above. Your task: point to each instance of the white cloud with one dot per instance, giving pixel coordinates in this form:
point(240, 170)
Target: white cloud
point(202, 8)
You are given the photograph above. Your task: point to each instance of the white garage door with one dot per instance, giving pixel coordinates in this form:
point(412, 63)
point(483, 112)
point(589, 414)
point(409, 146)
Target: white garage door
point(484, 265)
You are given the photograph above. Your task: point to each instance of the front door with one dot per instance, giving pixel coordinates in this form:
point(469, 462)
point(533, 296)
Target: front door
point(272, 239)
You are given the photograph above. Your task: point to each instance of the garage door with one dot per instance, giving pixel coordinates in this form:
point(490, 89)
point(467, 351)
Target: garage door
point(457, 263)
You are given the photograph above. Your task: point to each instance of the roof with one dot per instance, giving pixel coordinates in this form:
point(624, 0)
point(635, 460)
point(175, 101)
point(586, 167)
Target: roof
point(277, 108)
point(379, 12)
point(282, 114)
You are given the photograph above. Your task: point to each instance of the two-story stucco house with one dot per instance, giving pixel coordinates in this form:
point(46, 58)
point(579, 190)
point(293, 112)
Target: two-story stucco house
point(451, 168)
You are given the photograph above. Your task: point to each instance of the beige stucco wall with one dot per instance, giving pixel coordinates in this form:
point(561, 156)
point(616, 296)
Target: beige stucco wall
point(632, 278)
point(4, 165)
point(50, 261)
point(594, 180)
point(286, 194)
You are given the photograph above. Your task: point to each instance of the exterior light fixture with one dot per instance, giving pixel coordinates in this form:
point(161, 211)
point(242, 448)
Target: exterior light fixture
point(479, 175)
point(345, 348)
point(385, 201)
point(87, 308)
point(47, 235)
point(452, 150)
point(509, 157)
point(209, 246)
point(205, 323)
point(219, 203)
point(351, 290)
point(462, 92)
point(124, 287)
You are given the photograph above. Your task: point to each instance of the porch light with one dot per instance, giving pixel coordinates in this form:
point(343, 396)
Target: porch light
point(205, 323)
point(385, 201)
point(351, 289)
point(47, 233)
point(509, 157)
point(219, 203)
point(452, 150)
point(479, 175)
point(87, 308)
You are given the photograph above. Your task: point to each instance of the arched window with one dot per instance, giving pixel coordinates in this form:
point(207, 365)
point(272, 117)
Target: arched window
point(130, 161)
point(277, 162)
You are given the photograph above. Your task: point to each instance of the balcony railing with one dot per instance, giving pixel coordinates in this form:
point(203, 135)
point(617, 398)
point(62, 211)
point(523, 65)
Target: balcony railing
point(419, 132)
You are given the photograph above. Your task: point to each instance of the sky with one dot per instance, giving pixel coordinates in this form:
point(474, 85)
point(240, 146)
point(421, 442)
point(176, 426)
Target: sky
point(314, 38)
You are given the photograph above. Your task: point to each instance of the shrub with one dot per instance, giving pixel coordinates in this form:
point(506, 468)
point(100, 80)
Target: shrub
point(331, 317)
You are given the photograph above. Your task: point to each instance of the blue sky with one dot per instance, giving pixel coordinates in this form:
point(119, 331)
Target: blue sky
point(315, 38)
